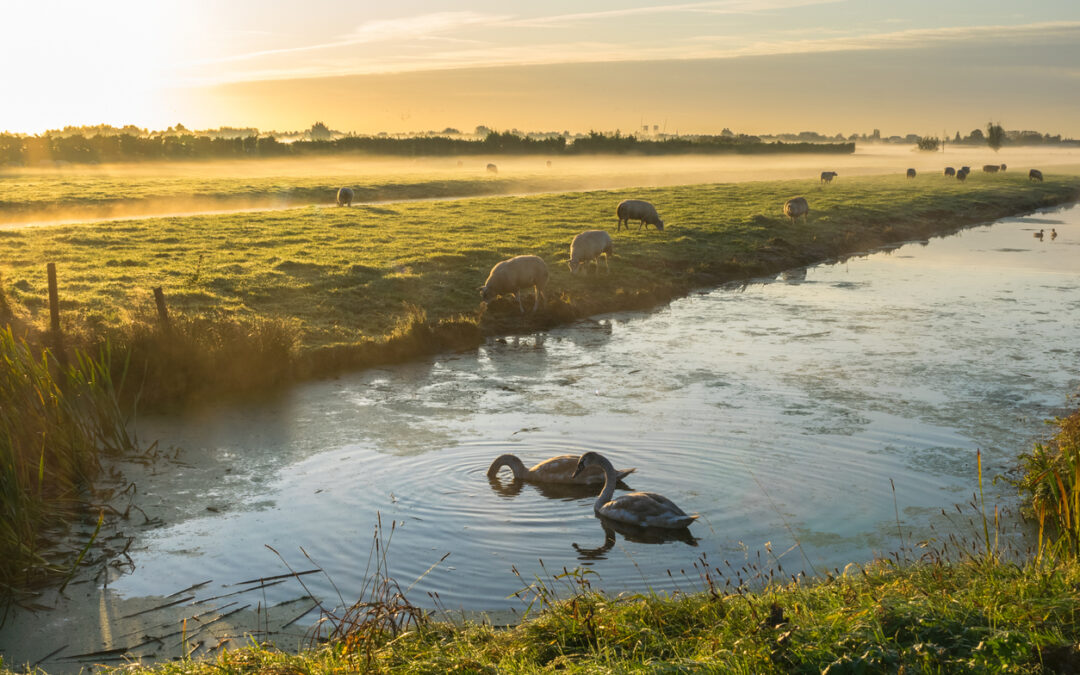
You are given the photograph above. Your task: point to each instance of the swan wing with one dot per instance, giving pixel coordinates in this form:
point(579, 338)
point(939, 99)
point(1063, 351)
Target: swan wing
point(646, 509)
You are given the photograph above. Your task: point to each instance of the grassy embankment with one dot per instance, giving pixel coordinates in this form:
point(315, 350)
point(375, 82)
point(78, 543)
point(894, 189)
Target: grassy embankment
point(264, 297)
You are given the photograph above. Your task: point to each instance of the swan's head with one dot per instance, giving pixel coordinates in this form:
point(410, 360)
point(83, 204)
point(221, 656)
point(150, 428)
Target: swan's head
point(587, 460)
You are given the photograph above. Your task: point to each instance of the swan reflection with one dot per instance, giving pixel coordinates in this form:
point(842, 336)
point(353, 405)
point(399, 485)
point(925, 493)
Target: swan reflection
point(632, 533)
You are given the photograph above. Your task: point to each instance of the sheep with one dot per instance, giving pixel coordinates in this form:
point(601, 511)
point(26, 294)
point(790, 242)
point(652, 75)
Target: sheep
point(636, 209)
point(510, 276)
point(1034, 175)
point(795, 207)
point(1004, 166)
point(966, 169)
point(827, 176)
point(990, 168)
point(911, 173)
point(549, 164)
point(344, 197)
point(589, 246)
point(949, 171)
point(961, 175)
point(492, 168)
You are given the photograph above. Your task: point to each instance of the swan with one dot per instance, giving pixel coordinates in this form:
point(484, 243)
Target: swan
point(644, 509)
point(561, 469)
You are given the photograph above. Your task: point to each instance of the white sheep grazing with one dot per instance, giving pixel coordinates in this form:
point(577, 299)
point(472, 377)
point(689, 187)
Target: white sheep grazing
point(510, 276)
point(636, 209)
point(589, 246)
point(344, 196)
point(796, 207)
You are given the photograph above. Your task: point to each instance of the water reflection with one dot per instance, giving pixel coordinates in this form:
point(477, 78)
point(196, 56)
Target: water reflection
point(632, 533)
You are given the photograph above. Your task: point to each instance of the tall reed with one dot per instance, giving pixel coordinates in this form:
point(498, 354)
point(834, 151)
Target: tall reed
point(1051, 480)
point(56, 422)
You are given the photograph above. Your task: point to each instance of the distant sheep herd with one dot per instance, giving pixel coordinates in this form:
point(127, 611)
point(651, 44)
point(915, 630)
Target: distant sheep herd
point(513, 275)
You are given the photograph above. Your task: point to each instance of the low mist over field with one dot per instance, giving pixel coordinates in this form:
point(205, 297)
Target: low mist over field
point(77, 192)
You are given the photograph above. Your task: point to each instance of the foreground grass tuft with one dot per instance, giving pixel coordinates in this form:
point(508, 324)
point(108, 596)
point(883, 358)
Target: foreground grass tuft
point(1051, 483)
point(971, 617)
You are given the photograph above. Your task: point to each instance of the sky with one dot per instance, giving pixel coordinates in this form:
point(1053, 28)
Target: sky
point(754, 66)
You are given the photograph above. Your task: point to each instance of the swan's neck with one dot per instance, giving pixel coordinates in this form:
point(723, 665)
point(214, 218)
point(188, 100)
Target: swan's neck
point(511, 461)
point(611, 477)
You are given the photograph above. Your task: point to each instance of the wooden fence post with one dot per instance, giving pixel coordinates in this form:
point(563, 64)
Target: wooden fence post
point(54, 301)
point(54, 317)
point(162, 310)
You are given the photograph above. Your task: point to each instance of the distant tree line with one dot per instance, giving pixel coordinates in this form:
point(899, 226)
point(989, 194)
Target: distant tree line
point(126, 145)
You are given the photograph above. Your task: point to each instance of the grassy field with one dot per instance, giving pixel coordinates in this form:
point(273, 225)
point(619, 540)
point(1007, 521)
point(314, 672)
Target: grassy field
point(327, 288)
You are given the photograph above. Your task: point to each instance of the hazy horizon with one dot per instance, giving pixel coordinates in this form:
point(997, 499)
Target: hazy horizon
point(756, 67)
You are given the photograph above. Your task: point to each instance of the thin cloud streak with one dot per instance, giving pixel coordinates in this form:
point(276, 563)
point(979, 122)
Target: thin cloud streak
point(713, 7)
point(418, 27)
point(691, 49)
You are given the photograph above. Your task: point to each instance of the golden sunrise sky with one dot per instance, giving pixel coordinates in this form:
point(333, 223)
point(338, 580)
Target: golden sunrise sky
point(762, 66)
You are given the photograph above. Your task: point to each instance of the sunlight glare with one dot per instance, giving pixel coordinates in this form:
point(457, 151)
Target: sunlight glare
point(88, 63)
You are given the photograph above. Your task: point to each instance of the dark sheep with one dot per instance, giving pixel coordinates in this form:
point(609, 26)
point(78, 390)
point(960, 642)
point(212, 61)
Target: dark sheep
point(949, 171)
point(636, 209)
point(991, 168)
point(911, 173)
point(797, 207)
point(827, 176)
point(492, 168)
point(1034, 175)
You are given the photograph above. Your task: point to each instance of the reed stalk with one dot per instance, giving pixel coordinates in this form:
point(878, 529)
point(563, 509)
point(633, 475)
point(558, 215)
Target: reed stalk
point(56, 424)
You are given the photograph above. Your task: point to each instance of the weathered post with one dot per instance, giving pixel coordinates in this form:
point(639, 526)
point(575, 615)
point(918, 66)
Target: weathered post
point(54, 317)
point(162, 310)
point(54, 301)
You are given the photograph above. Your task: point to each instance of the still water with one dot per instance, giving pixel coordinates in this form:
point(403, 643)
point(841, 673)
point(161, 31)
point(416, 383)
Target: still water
point(782, 412)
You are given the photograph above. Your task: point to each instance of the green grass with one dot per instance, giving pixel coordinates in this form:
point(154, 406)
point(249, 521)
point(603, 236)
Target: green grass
point(372, 284)
point(968, 617)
